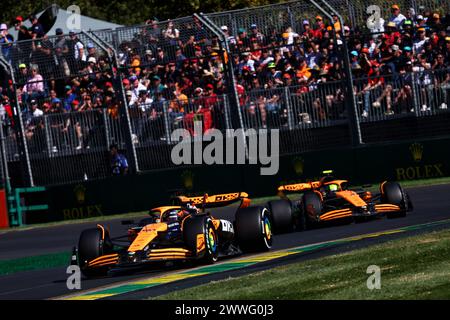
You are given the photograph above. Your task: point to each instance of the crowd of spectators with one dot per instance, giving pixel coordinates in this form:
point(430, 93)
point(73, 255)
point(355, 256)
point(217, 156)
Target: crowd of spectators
point(180, 68)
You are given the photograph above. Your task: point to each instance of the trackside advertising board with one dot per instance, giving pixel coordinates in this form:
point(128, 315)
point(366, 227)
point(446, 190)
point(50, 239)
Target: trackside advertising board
point(366, 164)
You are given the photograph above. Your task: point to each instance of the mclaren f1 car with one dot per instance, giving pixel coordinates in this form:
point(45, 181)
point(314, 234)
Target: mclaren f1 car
point(179, 232)
point(330, 200)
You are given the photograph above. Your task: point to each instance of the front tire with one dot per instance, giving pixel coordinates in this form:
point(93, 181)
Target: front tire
point(253, 229)
point(91, 245)
point(194, 226)
point(311, 209)
point(393, 193)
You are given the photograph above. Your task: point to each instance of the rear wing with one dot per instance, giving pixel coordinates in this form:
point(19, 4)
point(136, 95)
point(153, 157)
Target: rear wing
point(214, 201)
point(298, 187)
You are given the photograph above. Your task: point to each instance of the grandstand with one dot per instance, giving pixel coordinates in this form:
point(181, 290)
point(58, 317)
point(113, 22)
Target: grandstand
point(67, 97)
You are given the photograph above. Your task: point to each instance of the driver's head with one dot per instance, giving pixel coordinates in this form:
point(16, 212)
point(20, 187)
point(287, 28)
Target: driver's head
point(333, 187)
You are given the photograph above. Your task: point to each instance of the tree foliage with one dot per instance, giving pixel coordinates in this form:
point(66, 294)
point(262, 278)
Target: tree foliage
point(126, 12)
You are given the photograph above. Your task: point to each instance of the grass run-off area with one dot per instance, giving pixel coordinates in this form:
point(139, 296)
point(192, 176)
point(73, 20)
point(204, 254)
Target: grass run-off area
point(415, 267)
point(35, 263)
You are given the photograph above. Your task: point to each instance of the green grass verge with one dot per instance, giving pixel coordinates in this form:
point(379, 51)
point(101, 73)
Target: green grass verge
point(34, 263)
point(416, 267)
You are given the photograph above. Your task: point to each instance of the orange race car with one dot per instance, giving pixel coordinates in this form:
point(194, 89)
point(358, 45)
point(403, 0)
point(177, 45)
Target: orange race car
point(178, 232)
point(330, 199)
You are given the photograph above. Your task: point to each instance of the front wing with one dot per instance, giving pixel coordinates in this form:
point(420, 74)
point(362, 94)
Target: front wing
point(370, 211)
point(127, 259)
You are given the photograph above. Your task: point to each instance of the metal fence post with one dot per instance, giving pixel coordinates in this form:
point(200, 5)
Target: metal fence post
point(107, 129)
point(124, 114)
point(166, 122)
point(355, 129)
point(415, 93)
point(48, 136)
point(231, 83)
point(226, 107)
point(287, 96)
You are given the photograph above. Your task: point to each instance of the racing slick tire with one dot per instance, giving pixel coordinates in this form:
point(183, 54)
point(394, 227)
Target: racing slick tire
point(393, 193)
point(253, 229)
point(311, 208)
point(91, 246)
point(282, 215)
point(196, 225)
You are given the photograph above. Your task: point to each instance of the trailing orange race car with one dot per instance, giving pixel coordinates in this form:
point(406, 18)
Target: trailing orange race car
point(177, 232)
point(330, 199)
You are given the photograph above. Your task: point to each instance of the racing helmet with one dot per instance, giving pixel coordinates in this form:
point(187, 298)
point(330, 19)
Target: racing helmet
point(333, 187)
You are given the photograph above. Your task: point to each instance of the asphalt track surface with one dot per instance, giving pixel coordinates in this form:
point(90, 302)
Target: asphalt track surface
point(430, 204)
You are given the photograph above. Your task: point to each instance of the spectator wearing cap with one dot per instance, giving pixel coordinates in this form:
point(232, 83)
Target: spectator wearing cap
point(230, 38)
point(397, 17)
point(243, 41)
point(35, 110)
point(6, 41)
point(144, 101)
point(22, 31)
point(92, 68)
point(308, 32)
point(148, 59)
point(136, 86)
point(37, 30)
point(354, 56)
point(318, 27)
point(210, 97)
point(154, 32)
point(69, 97)
point(275, 75)
point(336, 23)
point(126, 84)
point(419, 42)
point(179, 57)
point(128, 95)
point(42, 52)
point(92, 51)
point(79, 53)
point(255, 34)
point(156, 87)
point(392, 34)
point(161, 58)
point(248, 62)
point(421, 21)
point(62, 50)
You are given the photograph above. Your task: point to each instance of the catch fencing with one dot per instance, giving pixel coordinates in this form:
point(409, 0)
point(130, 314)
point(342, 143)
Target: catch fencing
point(139, 75)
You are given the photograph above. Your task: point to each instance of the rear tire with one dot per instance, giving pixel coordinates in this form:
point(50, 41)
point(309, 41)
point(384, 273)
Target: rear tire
point(202, 225)
point(91, 246)
point(281, 215)
point(253, 229)
point(393, 193)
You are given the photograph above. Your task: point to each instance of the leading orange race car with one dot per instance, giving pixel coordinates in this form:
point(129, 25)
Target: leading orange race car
point(177, 232)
